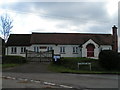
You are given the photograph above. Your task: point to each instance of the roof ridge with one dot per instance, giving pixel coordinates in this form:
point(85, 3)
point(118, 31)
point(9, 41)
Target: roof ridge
point(72, 33)
point(20, 34)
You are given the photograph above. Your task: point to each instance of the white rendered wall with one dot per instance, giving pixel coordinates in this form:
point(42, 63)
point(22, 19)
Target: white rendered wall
point(56, 48)
point(105, 47)
point(68, 49)
point(8, 50)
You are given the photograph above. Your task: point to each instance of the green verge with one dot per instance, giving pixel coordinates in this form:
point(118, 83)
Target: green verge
point(69, 65)
point(9, 65)
point(62, 69)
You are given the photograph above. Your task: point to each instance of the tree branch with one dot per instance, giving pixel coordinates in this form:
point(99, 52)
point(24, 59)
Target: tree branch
point(6, 26)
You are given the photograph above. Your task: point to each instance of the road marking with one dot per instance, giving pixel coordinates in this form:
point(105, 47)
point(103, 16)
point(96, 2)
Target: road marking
point(49, 83)
point(45, 82)
point(8, 77)
point(31, 80)
point(65, 86)
point(13, 78)
point(37, 81)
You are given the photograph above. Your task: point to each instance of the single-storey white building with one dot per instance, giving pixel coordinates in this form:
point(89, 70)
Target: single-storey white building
point(65, 44)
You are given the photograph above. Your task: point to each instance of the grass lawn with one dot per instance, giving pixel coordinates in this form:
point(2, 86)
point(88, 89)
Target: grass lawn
point(69, 65)
point(9, 65)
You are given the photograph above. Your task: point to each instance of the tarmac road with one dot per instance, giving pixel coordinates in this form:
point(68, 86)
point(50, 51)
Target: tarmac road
point(80, 81)
point(10, 83)
point(39, 71)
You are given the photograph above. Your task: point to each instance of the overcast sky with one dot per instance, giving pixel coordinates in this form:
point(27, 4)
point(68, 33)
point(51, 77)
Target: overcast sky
point(69, 17)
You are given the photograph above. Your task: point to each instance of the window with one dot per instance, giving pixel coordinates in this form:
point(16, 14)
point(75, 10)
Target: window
point(13, 50)
point(36, 49)
point(62, 49)
point(75, 49)
point(49, 48)
point(23, 49)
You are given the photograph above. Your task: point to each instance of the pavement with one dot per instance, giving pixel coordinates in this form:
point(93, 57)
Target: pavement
point(44, 78)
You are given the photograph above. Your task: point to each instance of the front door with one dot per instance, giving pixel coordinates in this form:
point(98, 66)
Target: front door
point(90, 50)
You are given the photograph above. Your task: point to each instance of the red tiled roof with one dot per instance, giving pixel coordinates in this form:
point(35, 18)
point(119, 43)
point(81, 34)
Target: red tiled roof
point(19, 40)
point(70, 38)
point(58, 38)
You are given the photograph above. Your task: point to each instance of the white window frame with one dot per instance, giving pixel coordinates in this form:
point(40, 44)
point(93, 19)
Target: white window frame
point(62, 50)
point(23, 49)
point(75, 50)
point(36, 49)
point(13, 50)
point(49, 48)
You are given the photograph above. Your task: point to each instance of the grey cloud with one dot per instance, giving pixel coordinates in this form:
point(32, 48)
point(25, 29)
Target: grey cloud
point(100, 29)
point(82, 12)
point(75, 12)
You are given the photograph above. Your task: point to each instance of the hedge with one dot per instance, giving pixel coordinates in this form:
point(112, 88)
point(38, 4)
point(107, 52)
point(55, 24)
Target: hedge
point(109, 60)
point(13, 59)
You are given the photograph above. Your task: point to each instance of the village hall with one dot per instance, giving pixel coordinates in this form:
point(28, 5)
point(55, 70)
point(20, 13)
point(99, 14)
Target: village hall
point(65, 44)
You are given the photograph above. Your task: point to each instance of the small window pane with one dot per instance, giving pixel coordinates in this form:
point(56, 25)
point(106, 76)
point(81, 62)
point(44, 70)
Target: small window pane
point(34, 49)
point(24, 49)
point(73, 49)
point(47, 48)
point(63, 49)
point(76, 49)
point(15, 50)
point(21, 49)
point(37, 49)
point(51, 48)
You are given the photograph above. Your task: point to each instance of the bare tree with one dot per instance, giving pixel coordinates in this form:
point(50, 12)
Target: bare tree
point(6, 25)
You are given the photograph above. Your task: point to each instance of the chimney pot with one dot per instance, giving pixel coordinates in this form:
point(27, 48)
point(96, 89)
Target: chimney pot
point(114, 27)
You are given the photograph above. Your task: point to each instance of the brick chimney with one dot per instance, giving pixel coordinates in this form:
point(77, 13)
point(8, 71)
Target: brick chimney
point(115, 39)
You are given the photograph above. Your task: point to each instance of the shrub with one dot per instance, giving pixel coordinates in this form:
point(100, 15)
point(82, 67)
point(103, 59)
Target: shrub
point(13, 59)
point(119, 61)
point(109, 60)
